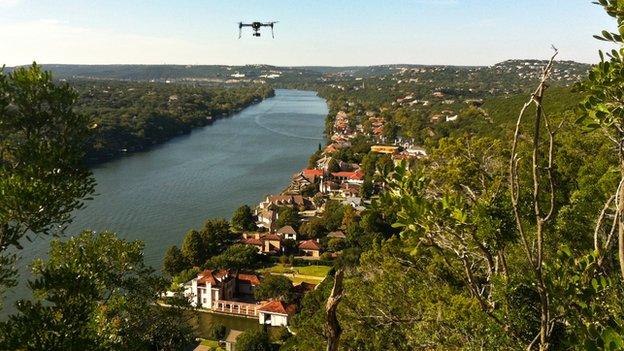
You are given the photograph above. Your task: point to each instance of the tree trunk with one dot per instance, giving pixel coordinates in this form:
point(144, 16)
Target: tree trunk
point(620, 207)
point(332, 327)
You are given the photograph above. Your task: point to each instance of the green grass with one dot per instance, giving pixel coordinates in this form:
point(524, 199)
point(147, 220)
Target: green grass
point(316, 271)
point(308, 274)
point(211, 344)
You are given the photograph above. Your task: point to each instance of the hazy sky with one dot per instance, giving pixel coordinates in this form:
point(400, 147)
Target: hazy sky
point(312, 32)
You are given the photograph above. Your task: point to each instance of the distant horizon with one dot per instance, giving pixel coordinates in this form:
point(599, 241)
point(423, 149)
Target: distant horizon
point(294, 66)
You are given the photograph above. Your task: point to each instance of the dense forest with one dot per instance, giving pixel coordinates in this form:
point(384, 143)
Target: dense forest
point(132, 116)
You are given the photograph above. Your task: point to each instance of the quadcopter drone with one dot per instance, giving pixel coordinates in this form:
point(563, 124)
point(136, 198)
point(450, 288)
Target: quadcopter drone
point(256, 27)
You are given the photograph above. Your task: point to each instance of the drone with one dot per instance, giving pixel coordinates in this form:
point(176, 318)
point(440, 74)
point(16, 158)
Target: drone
point(256, 28)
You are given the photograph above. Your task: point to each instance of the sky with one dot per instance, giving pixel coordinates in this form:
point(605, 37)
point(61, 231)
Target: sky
point(313, 32)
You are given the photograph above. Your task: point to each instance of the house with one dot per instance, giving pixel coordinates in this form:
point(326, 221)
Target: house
point(266, 219)
point(356, 177)
point(349, 190)
point(230, 339)
point(217, 290)
point(298, 202)
point(275, 313)
point(272, 243)
point(209, 286)
point(312, 173)
point(383, 149)
point(337, 234)
point(287, 232)
point(254, 242)
point(267, 243)
point(329, 186)
point(311, 248)
point(246, 284)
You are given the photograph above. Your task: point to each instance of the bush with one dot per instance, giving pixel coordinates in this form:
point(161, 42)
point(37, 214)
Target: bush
point(253, 340)
point(217, 331)
point(326, 256)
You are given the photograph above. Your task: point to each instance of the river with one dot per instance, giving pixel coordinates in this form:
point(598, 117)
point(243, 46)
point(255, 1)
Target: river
point(158, 195)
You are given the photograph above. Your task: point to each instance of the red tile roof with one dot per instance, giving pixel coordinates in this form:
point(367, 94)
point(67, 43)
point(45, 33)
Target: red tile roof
point(277, 306)
point(357, 175)
point(271, 237)
point(252, 241)
point(206, 277)
point(309, 245)
point(313, 172)
point(249, 278)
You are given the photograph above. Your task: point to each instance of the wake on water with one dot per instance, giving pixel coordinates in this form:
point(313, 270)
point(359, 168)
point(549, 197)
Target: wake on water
point(276, 131)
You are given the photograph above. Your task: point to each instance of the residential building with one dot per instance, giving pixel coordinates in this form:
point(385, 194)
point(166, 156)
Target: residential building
point(275, 313)
point(311, 248)
point(287, 232)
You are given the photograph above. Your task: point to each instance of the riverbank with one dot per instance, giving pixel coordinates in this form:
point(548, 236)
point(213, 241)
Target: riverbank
point(131, 117)
point(157, 196)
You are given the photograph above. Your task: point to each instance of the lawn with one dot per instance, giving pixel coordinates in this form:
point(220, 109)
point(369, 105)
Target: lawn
point(212, 344)
point(298, 274)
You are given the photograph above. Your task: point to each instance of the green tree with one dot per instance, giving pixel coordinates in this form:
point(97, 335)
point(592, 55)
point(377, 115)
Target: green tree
point(193, 248)
point(333, 166)
point(237, 256)
point(603, 108)
point(253, 340)
point(216, 235)
point(314, 228)
point(42, 177)
point(175, 261)
point(287, 216)
point(95, 292)
point(243, 219)
point(275, 287)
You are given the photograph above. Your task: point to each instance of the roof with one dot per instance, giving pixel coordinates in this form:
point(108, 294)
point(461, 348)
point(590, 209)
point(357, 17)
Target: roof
point(287, 229)
point(312, 172)
point(250, 278)
point(350, 175)
point(211, 276)
point(309, 245)
point(277, 306)
point(271, 237)
point(252, 241)
point(337, 234)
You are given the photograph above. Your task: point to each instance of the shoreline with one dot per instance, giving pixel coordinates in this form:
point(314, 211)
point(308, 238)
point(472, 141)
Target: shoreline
point(120, 153)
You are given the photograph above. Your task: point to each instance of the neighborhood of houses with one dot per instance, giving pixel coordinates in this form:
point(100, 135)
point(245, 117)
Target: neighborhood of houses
point(231, 292)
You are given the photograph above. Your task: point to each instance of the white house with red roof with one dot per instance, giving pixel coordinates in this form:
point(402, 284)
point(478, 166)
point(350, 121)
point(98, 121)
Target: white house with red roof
point(210, 285)
point(275, 313)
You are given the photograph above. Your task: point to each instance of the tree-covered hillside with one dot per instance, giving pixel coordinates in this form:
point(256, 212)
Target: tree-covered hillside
point(131, 116)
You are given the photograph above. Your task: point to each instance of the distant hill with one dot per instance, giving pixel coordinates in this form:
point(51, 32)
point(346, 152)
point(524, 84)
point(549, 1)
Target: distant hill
point(565, 70)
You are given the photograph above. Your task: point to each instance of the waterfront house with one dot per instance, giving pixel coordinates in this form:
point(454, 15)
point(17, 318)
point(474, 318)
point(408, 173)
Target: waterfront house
point(275, 313)
point(209, 286)
point(266, 218)
point(355, 177)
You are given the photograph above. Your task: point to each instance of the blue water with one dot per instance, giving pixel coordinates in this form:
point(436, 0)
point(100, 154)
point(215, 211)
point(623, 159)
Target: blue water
point(158, 195)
